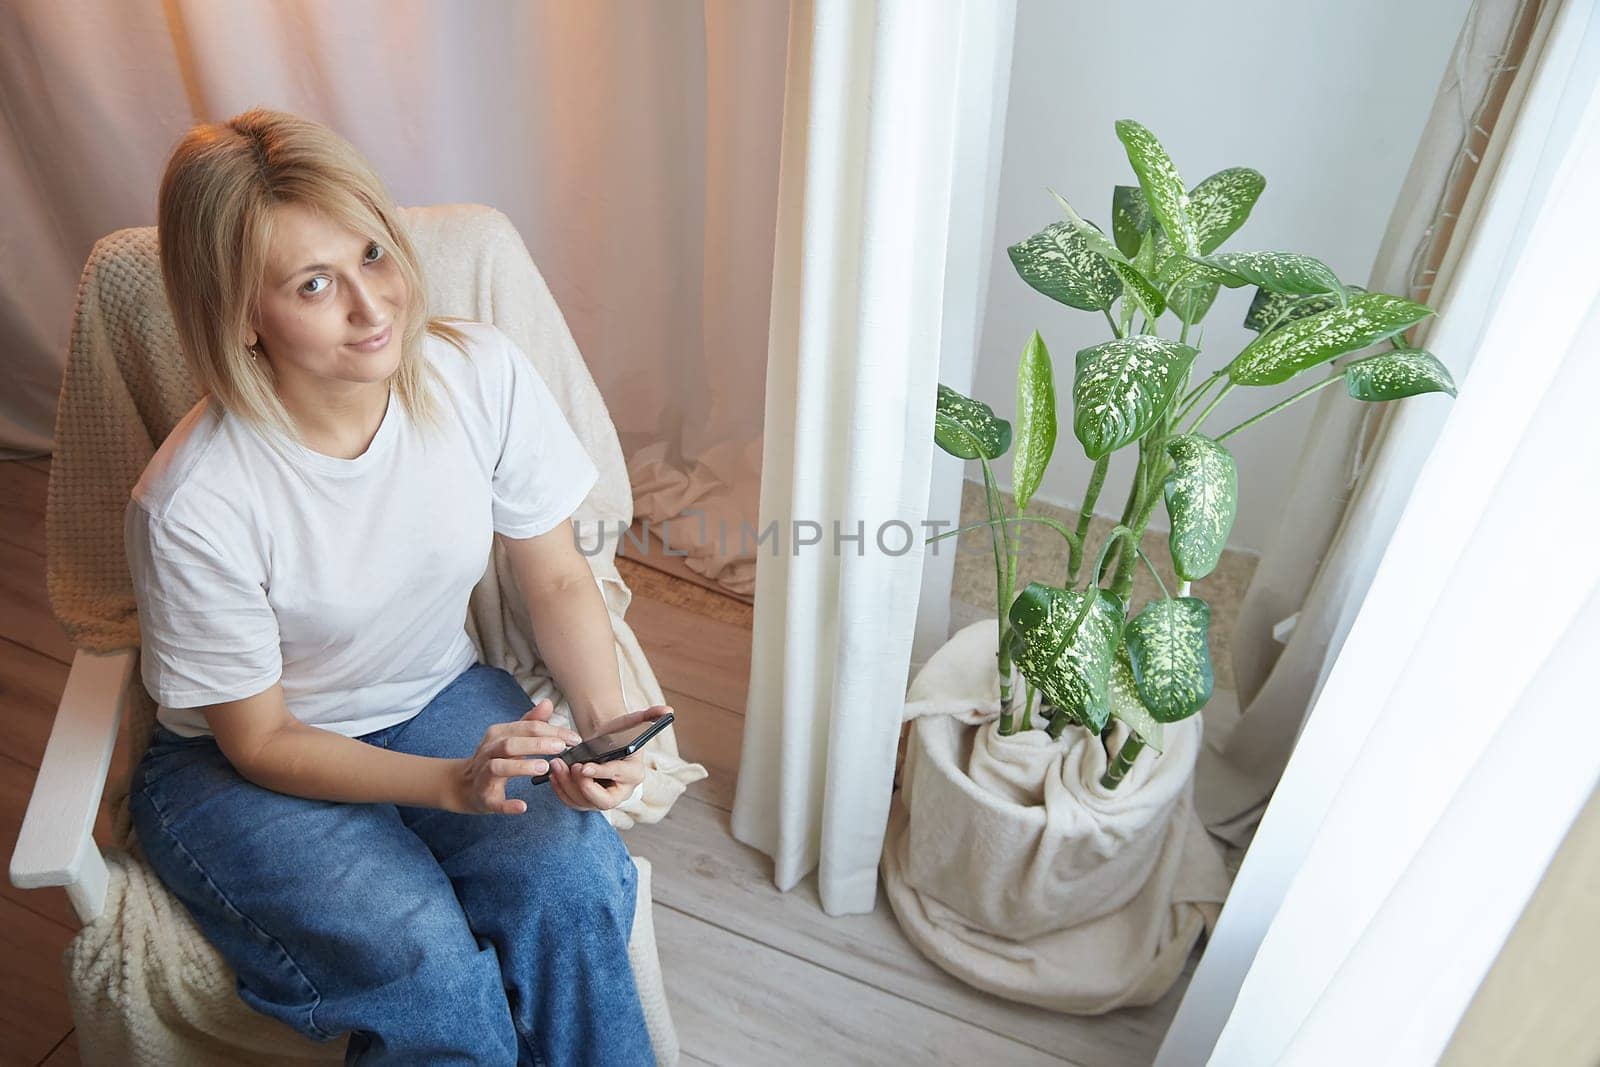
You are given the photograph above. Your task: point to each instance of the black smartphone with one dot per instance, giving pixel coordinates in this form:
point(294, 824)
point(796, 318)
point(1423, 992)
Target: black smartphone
point(617, 744)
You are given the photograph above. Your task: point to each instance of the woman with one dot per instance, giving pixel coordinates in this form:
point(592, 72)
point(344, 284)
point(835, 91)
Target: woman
point(337, 789)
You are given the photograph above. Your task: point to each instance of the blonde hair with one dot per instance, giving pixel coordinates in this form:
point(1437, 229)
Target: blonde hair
point(214, 226)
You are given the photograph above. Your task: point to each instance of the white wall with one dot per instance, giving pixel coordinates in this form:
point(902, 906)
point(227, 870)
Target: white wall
point(1326, 98)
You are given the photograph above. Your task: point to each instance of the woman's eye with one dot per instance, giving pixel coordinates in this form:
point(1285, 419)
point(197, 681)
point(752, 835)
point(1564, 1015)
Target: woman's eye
point(371, 258)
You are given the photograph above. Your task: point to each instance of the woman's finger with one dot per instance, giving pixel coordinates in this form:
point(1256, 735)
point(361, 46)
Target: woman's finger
point(520, 745)
point(634, 718)
point(568, 789)
point(516, 767)
point(558, 781)
point(627, 771)
point(549, 729)
point(594, 793)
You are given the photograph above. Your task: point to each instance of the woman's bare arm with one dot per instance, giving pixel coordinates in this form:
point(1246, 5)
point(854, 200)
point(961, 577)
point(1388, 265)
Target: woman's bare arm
point(571, 624)
point(268, 746)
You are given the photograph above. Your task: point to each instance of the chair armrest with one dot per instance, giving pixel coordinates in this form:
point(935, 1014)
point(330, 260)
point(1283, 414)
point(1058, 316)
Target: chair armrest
point(56, 846)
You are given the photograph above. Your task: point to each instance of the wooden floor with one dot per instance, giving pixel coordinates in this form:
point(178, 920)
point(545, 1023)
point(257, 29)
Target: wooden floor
point(753, 975)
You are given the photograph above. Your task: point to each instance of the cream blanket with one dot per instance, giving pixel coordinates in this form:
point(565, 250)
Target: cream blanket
point(1010, 866)
point(125, 387)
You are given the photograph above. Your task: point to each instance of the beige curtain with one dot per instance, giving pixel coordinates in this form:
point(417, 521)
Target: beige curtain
point(633, 145)
point(1352, 478)
point(1536, 1004)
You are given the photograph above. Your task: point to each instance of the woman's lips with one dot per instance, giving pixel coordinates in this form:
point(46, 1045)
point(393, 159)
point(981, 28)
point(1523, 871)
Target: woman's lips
point(376, 343)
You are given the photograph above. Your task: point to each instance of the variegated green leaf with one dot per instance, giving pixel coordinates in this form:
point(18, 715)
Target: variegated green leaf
point(1137, 297)
point(1281, 272)
point(1036, 420)
point(1170, 652)
point(1059, 263)
point(1091, 233)
point(1190, 302)
point(1121, 386)
point(1202, 495)
point(1194, 292)
point(1267, 306)
point(1130, 217)
point(1401, 373)
point(1072, 667)
point(1144, 259)
point(1126, 707)
point(1158, 177)
point(1219, 205)
point(1139, 288)
point(1280, 355)
point(962, 426)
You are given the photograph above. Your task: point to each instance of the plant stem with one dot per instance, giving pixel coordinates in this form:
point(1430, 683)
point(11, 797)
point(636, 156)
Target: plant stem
point(1002, 572)
point(1123, 581)
point(1152, 567)
point(1027, 707)
point(1120, 766)
point(1114, 328)
point(1004, 575)
point(1280, 406)
point(1007, 716)
point(1195, 425)
point(1190, 400)
point(1097, 479)
point(1127, 515)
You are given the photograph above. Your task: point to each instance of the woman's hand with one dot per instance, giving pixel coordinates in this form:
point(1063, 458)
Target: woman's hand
point(478, 785)
point(599, 786)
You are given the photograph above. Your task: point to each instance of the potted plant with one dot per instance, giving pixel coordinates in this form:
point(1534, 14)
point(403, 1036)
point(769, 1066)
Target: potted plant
point(1045, 846)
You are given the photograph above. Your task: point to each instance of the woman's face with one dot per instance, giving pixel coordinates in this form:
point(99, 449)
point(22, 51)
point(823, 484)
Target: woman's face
point(327, 290)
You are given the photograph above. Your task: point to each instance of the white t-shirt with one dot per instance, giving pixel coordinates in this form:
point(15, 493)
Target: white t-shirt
point(347, 579)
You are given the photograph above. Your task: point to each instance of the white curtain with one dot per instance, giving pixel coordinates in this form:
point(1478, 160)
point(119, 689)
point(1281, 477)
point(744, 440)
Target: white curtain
point(1453, 742)
point(885, 191)
point(634, 146)
point(1353, 475)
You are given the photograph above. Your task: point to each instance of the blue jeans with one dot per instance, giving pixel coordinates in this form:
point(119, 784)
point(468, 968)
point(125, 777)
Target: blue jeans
point(433, 937)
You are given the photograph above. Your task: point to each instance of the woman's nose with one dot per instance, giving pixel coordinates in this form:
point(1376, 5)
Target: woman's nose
point(364, 306)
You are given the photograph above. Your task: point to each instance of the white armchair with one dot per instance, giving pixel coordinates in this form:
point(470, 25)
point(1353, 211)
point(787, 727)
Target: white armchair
point(56, 846)
point(145, 985)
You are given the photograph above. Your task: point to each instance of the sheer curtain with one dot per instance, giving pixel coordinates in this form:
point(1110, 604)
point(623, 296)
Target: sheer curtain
point(885, 221)
point(634, 146)
point(1353, 475)
point(1451, 746)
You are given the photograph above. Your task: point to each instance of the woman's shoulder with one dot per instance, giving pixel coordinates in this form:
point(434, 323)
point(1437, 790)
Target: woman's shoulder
point(202, 480)
point(195, 444)
point(474, 333)
point(481, 364)
point(463, 346)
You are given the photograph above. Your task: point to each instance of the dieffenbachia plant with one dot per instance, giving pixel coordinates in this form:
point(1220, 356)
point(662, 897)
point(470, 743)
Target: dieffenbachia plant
point(1075, 644)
